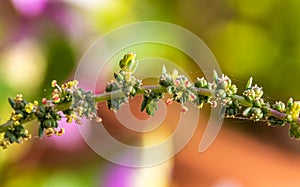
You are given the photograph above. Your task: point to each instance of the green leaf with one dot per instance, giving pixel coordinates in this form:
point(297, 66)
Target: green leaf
point(143, 106)
point(150, 109)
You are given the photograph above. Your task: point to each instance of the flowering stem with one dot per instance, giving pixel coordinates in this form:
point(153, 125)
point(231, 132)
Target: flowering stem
point(73, 103)
point(118, 93)
point(104, 97)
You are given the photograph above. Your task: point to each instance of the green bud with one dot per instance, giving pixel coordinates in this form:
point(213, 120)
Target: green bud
point(249, 83)
point(108, 88)
point(289, 118)
point(165, 83)
point(10, 136)
point(294, 130)
point(41, 131)
point(222, 84)
point(11, 102)
point(290, 103)
point(128, 62)
point(265, 109)
point(19, 105)
point(272, 121)
point(247, 112)
point(19, 131)
point(118, 77)
point(54, 123)
point(233, 89)
point(279, 106)
point(257, 114)
point(256, 103)
point(39, 114)
point(221, 93)
point(230, 112)
point(170, 89)
point(200, 83)
point(164, 70)
point(215, 76)
point(230, 102)
point(47, 123)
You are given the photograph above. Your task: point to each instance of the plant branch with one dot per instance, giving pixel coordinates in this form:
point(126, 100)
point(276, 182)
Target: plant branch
point(73, 103)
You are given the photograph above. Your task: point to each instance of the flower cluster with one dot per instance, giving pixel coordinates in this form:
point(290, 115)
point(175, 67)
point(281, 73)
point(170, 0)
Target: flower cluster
point(22, 111)
point(253, 95)
point(73, 102)
point(201, 83)
point(291, 111)
point(224, 88)
point(179, 86)
point(82, 102)
point(16, 134)
point(48, 118)
point(124, 82)
point(83, 105)
point(63, 93)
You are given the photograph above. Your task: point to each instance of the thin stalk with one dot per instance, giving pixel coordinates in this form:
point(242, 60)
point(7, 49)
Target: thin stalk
point(157, 88)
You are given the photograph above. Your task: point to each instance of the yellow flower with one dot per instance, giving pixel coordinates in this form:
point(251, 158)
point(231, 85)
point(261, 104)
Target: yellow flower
point(16, 117)
point(60, 132)
point(295, 110)
point(49, 132)
point(69, 119)
point(35, 103)
point(70, 84)
point(29, 107)
point(16, 123)
point(53, 83)
point(19, 97)
point(56, 98)
point(4, 143)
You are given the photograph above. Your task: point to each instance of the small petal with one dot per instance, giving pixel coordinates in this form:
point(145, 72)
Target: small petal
point(169, 102)
point(54, 83)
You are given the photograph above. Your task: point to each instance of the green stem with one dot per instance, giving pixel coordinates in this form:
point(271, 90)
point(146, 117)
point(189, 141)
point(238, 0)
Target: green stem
point(156, 88)
point(242, 100)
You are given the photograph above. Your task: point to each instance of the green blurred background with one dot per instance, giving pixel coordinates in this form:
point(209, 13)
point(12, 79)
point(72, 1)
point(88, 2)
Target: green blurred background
point(43, 40)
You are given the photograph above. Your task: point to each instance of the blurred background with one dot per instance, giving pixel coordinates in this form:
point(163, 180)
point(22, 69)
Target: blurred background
point(42, 40)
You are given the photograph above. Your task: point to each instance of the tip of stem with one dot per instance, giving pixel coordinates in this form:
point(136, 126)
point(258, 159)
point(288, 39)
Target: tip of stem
point(164, 70)
point(249, 83)
point(215, 76)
